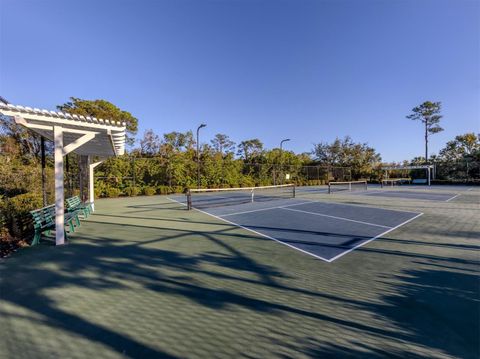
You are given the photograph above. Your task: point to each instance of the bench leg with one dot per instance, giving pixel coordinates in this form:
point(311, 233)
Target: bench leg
point(72, 226)
point(36, 238)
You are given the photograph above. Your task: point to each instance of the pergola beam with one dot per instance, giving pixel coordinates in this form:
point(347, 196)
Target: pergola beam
point(78, 142)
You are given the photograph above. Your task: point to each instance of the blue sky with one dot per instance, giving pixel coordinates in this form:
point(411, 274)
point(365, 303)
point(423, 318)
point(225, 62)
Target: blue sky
point(307, 70)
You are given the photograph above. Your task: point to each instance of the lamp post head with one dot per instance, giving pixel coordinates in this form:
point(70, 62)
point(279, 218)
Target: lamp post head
point(202, 126)
point(282, 141)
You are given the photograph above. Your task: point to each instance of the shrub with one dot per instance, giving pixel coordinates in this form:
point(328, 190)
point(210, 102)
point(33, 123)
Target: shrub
point(131, 191)
point(148, 191)
point(178, 189)
point(163, 190)
point(112, 192)
point(100, 189)
point(17, 216)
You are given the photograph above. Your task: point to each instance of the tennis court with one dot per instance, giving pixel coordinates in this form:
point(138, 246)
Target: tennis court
point(321, 229)
point(415, 195)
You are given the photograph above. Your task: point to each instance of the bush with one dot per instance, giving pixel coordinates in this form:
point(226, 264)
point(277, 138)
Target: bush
point(100, 189)
point(148, 191)
point(131, 191)
point(112, 192)
point(163, 190)
point(178, 189)
point(17, 216)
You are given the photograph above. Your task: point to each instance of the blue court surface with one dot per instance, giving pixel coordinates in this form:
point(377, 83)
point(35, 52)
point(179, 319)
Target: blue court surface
point(321, 229)
point(417, 195)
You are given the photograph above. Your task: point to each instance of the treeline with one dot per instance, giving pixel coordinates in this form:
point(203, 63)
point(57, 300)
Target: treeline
point(170, 164)
point(160, 164)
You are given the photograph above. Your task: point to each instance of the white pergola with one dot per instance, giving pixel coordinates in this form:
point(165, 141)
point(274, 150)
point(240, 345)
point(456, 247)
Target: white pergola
point(86, 136)
point(428, 168)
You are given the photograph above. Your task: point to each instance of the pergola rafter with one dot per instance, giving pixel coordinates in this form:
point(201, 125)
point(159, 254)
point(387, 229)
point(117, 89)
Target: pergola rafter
point(84, 135)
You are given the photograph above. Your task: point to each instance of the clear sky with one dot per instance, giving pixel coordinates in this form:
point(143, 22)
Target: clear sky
point(307, 70)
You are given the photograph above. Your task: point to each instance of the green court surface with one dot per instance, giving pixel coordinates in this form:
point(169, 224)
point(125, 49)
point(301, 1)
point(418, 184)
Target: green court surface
point(145, 278)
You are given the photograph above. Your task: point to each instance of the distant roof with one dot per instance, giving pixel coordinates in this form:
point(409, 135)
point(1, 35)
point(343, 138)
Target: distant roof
point(108, 136)
point(2, 100)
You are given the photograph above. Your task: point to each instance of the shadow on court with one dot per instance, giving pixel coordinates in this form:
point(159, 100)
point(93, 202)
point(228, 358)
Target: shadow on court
point(165, 289)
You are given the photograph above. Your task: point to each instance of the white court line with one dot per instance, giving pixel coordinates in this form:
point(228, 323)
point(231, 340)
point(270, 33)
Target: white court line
point(261, 234)
point(298, 249)
point(448, 200)
point(335, 217)
point(263, 209)
point(371, 239)
point(364, 206)
point(174, 200)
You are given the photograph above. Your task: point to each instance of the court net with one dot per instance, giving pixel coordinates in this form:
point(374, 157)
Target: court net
point(219, 197)
point(347, 186)
point(390, 182)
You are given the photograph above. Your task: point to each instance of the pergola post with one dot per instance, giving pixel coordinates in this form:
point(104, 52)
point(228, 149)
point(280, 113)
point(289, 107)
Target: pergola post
point(59, 194)
point(91, 183)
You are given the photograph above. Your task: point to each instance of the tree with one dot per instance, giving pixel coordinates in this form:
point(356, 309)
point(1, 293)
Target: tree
point(178, 140)
point(250, 148)
point(360, 157)
point(19, 139)
point(465, 146)
point(429, 114)
point(221, 143)
point(102, 109)
point(329, 154)
point(150, 143)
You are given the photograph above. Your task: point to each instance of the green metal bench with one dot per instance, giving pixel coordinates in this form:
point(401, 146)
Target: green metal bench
point(74, 204)
point(44, 222)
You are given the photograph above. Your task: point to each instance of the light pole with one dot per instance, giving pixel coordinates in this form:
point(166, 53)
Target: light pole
point(281, 157)
point(198, 154)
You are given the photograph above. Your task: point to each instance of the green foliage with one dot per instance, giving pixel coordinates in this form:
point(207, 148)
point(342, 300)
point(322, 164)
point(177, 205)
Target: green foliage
point(149, 191)
point(164, 190)
point(131, 191)
point(16, 212)
point(102, 109)
point(463, 147)
point(361, 158)
point(249, 150)
point(221, 143)
point(112, 192)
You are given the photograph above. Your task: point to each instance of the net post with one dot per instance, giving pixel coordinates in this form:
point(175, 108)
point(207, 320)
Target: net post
point(329, 189)
point(350, 186)
point(294, 191)
point(252, 195)
point(366, 185)
point(189, 200)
